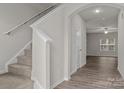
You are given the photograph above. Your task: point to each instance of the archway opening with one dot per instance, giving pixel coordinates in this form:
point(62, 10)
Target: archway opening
point(75, 14)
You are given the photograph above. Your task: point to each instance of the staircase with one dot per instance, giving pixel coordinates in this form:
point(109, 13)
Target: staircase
point(19, 74)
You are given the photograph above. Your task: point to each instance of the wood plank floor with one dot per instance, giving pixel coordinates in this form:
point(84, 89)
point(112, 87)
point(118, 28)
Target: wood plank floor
point(98, 73)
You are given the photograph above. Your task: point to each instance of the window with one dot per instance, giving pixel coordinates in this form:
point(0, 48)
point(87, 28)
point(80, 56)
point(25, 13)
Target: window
point(107, 45)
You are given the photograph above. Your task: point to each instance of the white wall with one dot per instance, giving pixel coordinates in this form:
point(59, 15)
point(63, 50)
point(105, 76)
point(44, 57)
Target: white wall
point(121, 43)
point(14, 14)
point(53, 25)
point(10, 16)
point(93, 44)
point(78, 36)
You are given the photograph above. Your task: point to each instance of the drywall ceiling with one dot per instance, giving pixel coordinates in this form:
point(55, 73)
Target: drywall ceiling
point(106, 16)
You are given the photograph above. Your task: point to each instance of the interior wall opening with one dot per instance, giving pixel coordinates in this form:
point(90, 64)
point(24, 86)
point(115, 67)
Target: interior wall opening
point(94, 38)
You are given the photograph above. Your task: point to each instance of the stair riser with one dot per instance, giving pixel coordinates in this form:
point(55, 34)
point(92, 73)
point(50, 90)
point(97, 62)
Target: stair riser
point(28, 53)
point(19, 71)
point(27, 86)
point(23, 66)
point(25, 61)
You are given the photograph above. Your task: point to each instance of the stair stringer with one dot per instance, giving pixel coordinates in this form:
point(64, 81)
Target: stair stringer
point(14, 58)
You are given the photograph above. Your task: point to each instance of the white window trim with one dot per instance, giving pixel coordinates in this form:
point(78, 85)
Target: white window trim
point(107, 44)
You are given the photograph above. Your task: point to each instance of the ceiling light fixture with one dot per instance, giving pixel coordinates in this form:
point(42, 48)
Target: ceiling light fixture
point(97, 11)
point(106, 32)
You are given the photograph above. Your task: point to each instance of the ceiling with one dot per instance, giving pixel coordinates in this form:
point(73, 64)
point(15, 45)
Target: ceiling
point(106, 17)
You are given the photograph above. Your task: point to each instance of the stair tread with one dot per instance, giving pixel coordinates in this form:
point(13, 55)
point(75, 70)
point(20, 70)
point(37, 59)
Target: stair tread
point(12, 81)
point(24, 56)
point(16, 65)
point(28, 50)
point(19, 74)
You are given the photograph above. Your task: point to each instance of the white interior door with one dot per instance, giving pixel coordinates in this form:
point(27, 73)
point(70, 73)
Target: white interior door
point(78, 48)
point(78, 44)
point(83, 50)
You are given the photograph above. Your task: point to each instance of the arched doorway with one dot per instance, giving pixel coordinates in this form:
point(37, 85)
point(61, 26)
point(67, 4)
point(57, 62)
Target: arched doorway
point(68, 37)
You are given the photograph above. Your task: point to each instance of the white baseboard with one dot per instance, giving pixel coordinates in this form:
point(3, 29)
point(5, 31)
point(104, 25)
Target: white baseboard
point(36, 84)
point(120, 70)
point(56, 83)
point(13, 59)
point(72, 72)
point(2, 71)
point(83, 64)
point(67, 78)
point(103, 55)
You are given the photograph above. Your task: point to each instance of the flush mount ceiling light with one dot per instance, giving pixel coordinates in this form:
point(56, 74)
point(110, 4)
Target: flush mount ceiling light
point(106, 32)
point(97, 11)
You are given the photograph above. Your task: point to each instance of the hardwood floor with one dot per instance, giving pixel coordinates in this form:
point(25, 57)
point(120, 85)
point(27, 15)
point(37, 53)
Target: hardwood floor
point(98, 73)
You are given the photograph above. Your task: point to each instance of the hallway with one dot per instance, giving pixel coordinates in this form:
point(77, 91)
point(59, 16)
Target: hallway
point(98, 73)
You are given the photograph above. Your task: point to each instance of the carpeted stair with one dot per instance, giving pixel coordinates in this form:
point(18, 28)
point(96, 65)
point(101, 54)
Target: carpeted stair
point(19, 74)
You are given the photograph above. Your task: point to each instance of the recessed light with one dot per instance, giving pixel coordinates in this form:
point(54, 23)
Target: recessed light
point(106, 32)
point(97, 11)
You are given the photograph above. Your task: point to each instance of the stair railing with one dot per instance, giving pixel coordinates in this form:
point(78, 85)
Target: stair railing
point(32, 19)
